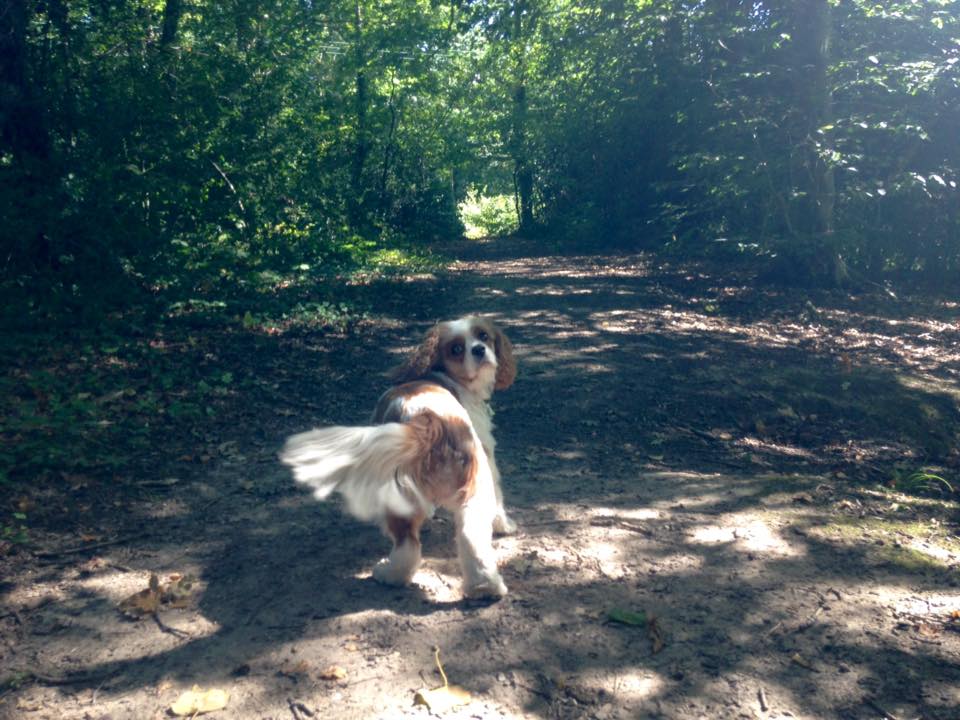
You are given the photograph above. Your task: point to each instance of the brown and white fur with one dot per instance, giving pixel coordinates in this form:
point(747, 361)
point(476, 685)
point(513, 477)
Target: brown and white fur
point(431, 445)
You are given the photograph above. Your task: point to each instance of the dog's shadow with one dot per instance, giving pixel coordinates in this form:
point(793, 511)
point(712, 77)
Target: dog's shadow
point(304, 576)
point(317, 564)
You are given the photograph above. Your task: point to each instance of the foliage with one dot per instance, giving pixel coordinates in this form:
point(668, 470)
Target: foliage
point(921, 482)
point(14, 529)
point(486, 215)
point(160, 146)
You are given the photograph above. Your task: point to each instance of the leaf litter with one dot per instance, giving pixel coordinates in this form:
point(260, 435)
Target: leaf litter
point(175, 594)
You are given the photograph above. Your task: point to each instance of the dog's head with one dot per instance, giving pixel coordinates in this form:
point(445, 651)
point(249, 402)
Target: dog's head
point(472, 351)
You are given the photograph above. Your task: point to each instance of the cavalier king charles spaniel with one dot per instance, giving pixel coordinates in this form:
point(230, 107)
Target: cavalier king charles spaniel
point(431, 444)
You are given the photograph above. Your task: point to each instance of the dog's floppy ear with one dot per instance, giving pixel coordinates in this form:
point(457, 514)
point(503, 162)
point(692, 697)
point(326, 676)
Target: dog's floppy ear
point(506, 365)
point(424, 359)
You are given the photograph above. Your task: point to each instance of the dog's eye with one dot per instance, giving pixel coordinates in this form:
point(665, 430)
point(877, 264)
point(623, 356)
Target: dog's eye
point(482, 336)
point(456, 349)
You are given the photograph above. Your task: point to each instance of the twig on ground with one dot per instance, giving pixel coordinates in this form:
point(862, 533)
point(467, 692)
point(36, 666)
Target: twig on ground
point(774, 629)
point(887, 715)
point(545, 695)
point(96, 691)
point(369, 679)
point(257, 609)
point(168, 629)
point(542, 523)
point(14, 614)
point(85, 548)
point(71, 679)
point(609, 521)
point(762, 698)
point(297, 708)
point(809, 622)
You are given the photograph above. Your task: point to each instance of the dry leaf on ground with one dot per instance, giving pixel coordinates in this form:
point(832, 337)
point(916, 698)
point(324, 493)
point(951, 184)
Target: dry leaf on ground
point(444, 698)
point(145, 602)
point(176, 593)
point(334, 672)
point(197, 701)
point(656, 636)
point(798, 659)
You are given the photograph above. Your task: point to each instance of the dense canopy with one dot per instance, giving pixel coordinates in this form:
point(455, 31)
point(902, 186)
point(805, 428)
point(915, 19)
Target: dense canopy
point(146, 141)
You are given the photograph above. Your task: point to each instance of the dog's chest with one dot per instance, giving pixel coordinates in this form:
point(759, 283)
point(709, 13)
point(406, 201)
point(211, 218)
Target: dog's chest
point(481, 416)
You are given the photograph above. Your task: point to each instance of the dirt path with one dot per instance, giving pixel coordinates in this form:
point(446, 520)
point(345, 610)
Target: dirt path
point(678, 445)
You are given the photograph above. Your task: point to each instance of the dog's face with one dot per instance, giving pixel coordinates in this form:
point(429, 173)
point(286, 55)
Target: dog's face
point(472, 351)
point(467, 352)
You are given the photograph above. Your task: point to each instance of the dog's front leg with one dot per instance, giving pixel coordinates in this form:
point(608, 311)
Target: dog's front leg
point(474, 523)
point(400, 567)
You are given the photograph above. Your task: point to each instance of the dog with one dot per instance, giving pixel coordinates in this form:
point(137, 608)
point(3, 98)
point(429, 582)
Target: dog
point(430, 445)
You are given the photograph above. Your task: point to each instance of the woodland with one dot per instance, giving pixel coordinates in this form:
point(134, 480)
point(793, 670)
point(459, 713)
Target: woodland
point(724, 238)
point(157, 147)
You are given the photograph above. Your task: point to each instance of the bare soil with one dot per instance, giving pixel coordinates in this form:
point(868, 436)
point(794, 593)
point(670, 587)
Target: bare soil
point(709, 478)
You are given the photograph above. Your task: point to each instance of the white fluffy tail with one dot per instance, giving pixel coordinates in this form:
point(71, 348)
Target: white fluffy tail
point(369, 466)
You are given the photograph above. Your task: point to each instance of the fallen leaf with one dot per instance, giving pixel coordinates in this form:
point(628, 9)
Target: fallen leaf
point(928, 630)
point(442, 699)
point(334, 672)
point(197, 701)
point(28, 705)
point(177, 591)
point(626, 617)
point(656, 636)
point(145, 602)
point(294, 672)
point(798, 660)
point(523, 564)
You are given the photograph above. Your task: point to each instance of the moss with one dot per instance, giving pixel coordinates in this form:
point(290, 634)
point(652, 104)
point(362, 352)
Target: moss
point(910, 559)
point(870, 530)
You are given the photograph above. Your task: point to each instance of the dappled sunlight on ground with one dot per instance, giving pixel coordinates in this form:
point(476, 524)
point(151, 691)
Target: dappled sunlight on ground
point(746, 534)
point(714, 461)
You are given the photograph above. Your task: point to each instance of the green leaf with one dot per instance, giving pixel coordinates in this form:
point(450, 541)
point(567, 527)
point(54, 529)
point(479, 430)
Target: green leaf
point(627, 617)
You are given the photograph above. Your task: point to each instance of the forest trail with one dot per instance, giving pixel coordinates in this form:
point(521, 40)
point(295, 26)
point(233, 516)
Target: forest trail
point(699, 469)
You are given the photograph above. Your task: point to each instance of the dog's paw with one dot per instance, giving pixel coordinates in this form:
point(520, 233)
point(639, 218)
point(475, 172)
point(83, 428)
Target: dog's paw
point(391, 573)
point(491, 587)
point(503, 525)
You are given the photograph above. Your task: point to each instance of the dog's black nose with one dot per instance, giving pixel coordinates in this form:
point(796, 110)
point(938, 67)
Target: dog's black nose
point(478, 351)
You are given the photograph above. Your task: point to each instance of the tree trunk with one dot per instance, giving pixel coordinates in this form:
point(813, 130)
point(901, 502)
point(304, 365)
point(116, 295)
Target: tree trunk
point(355, 204)
point(815, 108)
point(172, 11)
point(389, 149)
point(522, 172)
point(813, 31)
point(22, 126)
point(244, 13)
